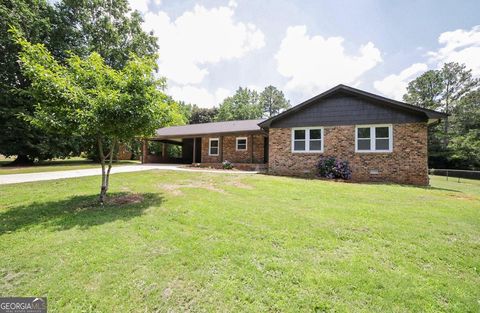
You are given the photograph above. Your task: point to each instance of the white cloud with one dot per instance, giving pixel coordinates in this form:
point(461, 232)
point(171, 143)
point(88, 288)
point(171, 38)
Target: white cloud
point(395, 86)
point(199, 96)
point(198, 38)
point(139, 5)
point(461, 46)
point(316, 63)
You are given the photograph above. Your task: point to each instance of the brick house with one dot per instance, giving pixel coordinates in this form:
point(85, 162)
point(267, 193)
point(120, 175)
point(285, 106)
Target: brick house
point(383, 139)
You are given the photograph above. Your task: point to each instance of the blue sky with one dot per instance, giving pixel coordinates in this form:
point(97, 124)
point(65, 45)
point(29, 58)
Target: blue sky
point(209, 48)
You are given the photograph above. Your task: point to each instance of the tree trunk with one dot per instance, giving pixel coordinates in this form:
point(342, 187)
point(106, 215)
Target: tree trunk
point(103, 187)
point(445, 138)
point(105, 173)
point(21, 160)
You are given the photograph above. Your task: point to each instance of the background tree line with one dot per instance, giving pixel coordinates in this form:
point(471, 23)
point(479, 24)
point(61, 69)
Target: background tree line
point(454, 142)
point(245, 104)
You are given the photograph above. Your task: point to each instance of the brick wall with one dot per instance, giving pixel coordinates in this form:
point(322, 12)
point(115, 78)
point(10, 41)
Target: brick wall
point(407, 164)
point(229, 149)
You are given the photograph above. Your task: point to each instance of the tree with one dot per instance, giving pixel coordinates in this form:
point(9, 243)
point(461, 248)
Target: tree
point(465, 142)
point(88, 97)
point(19, 137)
point(79, 26)
point(106, 27)
point(441, 89)
point(202, 115)
point(273, 101)
point(450, 89)
point(243, 105)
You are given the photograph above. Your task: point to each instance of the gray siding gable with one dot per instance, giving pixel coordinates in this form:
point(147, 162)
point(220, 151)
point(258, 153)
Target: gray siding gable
point(345, 109)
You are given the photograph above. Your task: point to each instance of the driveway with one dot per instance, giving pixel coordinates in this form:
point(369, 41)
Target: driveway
point(31, 177)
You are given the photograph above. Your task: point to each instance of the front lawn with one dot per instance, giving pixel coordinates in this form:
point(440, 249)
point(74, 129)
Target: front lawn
point(205, 242)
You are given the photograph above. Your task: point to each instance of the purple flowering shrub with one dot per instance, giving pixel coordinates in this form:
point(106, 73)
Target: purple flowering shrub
point(330, 167)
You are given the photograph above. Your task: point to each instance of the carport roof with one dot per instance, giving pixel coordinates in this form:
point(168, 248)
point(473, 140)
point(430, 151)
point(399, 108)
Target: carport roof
point(209, 128)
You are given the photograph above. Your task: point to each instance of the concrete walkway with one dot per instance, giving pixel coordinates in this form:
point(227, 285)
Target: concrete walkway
point(31, 177)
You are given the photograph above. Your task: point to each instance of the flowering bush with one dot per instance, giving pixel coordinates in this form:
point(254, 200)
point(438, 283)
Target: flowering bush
point(332, 168)
point(227, 165)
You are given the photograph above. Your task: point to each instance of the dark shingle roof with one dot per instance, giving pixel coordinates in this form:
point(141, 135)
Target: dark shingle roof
point(430, 114)
point(210, 128)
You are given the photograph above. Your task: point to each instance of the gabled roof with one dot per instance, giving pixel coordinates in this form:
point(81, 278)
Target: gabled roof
point(210, 128)
point(429, 114)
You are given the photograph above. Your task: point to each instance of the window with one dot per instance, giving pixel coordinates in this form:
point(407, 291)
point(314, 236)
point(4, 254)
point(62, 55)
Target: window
point(241, 143)
point(213, 146)
point(307, 139)
point(376, 138)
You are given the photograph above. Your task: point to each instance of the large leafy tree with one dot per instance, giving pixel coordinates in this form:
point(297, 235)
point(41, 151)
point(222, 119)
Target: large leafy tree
point(35, 18)
point(243, 105)
point(88, 97)
point(107, 27)
point(273, 101)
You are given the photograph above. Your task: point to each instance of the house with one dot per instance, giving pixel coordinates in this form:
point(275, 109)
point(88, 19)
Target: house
point(382, 139)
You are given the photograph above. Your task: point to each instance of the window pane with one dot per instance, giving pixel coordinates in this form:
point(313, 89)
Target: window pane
point(382, 144)
point(315, 134)
point(300, 134)
point(241, 144)
point(364, 132)
point(381, 132)
point(213, 150)
point(299, 145)
point(214, 143)
point(315, 145)
point(363, 144)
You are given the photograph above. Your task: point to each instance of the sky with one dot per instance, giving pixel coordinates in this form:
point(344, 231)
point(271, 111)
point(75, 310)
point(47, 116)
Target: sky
point(210, 48)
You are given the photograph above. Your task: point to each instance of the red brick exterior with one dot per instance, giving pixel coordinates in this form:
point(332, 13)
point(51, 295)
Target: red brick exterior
point(228, 143)
point(407, 164)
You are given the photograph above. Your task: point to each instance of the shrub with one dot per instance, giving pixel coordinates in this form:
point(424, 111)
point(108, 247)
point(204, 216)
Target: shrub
point(227, 165)
point(332, 168)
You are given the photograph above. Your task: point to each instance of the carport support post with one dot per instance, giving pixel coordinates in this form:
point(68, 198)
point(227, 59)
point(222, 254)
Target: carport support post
point(194, 149)
point(164, 150)
point(144, 151)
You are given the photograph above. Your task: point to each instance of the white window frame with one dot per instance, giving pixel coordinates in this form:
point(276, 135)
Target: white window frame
point(373, 137)
point(307, 139)
point(210, 146)
point(246, 143)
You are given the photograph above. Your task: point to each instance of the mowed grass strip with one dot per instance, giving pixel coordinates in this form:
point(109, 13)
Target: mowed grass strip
point(203, 242)
point(56, 165)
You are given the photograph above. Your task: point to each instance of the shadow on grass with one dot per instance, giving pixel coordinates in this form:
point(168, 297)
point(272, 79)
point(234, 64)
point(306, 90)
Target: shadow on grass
point(76, 211)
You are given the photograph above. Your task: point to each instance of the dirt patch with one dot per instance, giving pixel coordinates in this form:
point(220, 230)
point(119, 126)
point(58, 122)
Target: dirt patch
point(239, 184)
point(125, 199)
point(462, 196)
point(10, 279)
point(176, 189)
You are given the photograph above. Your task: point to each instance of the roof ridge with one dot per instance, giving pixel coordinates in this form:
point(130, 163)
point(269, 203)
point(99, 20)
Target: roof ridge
point(429, 113)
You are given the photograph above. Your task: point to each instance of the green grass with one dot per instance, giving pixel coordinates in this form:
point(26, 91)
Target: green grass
point(205, 242)
point(56, 165)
